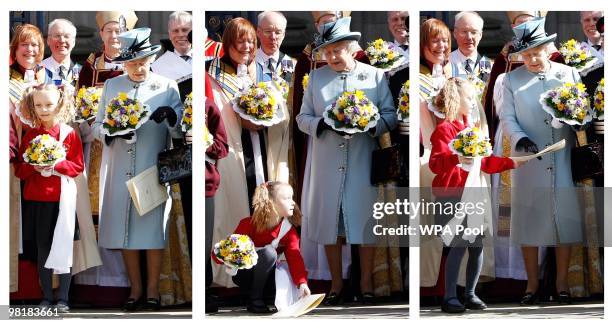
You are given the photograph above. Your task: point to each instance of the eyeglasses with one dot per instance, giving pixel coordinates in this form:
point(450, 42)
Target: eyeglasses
point(472, 33)
point(276, 32)
point(57, 37)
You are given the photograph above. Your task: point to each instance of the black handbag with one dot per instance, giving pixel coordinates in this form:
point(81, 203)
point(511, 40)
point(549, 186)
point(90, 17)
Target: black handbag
point(174, 164)
point(587, 161)
point(386, 165)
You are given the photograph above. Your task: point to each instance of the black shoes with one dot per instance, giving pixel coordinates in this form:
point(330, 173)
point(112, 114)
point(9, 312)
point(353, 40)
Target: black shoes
point(334, 299)
point(473, 302)
point(529, 299)
point(131, 305)
point(152, 304)
point(367, 298)
point(258, 307)
point(452, 306)
point(564, 297)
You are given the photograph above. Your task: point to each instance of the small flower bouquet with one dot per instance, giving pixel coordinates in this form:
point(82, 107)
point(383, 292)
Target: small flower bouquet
point(403, 100)
point(260, 104)
point(598, 100)
point(576, 55)
point(305, 82)
point(86, 103)
point(471, 142)
point(478, 84)
point(236, 252)
point(123, 115)
point(382, 55)
point(281, 86)
point(44, 151)
point(186, 121)
point(568, 103)
point(352, 113)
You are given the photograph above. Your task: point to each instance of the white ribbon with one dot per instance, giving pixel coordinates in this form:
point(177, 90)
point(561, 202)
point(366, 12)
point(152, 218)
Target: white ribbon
point(60, 256)
point(475, 191)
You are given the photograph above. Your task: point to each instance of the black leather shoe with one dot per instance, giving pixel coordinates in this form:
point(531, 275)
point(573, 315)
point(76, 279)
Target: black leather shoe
point(368, 298)
point(131, 304)
point(564, 297)
point(211, 305)
point(529, 299)
point(473, 302)
point(334, 299)
point(452, 308)
point(258, 307)
point(152, 304)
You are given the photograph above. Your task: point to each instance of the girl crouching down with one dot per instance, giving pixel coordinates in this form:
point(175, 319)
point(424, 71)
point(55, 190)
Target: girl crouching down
point(273, 218)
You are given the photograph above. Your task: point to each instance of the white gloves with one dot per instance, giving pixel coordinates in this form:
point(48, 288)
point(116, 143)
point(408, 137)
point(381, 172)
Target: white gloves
point(304, 290)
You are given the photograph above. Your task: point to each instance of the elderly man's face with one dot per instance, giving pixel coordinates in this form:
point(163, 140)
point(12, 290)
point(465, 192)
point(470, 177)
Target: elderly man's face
point(395, 22)
point(178, 31)
point(338, 56)
point(271, 33)
point(61, 40)
point(589, 19)
point(468, 33)
point(109, 35)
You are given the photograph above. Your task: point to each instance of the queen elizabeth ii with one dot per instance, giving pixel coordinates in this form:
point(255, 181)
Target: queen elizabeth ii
point(337, 194)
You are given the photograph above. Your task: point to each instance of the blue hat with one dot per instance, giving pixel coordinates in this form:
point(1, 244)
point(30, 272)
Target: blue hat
point(530, 34)
point(333, 32)
point(135, 45)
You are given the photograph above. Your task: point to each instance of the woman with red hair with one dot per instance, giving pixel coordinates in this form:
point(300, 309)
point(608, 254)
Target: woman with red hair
point(26, 52)
point(256, 154)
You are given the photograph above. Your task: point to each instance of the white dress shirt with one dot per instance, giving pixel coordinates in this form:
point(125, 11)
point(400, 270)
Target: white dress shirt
point(54, 67)
point(263, 59)
point(458, 60)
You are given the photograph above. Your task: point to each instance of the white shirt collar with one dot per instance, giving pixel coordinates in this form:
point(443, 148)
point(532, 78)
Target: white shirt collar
point(263, 58)
point(463, 58)
point(187, 54)
point(53, 65)
point(400, 44)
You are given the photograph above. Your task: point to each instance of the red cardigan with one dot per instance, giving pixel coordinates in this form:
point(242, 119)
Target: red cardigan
point(289, 245)
point(218, 149)
point(48, 189)
point(450, 178)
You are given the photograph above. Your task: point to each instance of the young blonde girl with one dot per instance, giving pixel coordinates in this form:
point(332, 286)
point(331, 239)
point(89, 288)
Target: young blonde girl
point(272, 203)
point(47, 109)
point(456, 100)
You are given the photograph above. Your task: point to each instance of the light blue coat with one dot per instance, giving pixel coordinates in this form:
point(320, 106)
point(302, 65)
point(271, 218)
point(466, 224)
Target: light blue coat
point(341, 167)
point(120, 225)
point(545, 208)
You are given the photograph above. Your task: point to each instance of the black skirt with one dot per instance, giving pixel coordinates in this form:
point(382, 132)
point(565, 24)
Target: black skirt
point(38, 220)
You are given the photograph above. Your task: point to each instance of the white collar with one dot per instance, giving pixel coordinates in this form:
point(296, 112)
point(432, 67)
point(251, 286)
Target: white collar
point(186, 54)
point(400, 44)
point(51, 64)
point(590, 43)
point(263, 58)
point(463, 58)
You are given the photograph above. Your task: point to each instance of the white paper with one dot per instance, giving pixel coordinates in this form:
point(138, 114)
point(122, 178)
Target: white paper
point(303, 306)
point(550, 149)
point(146, 192)
point(171, 66)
